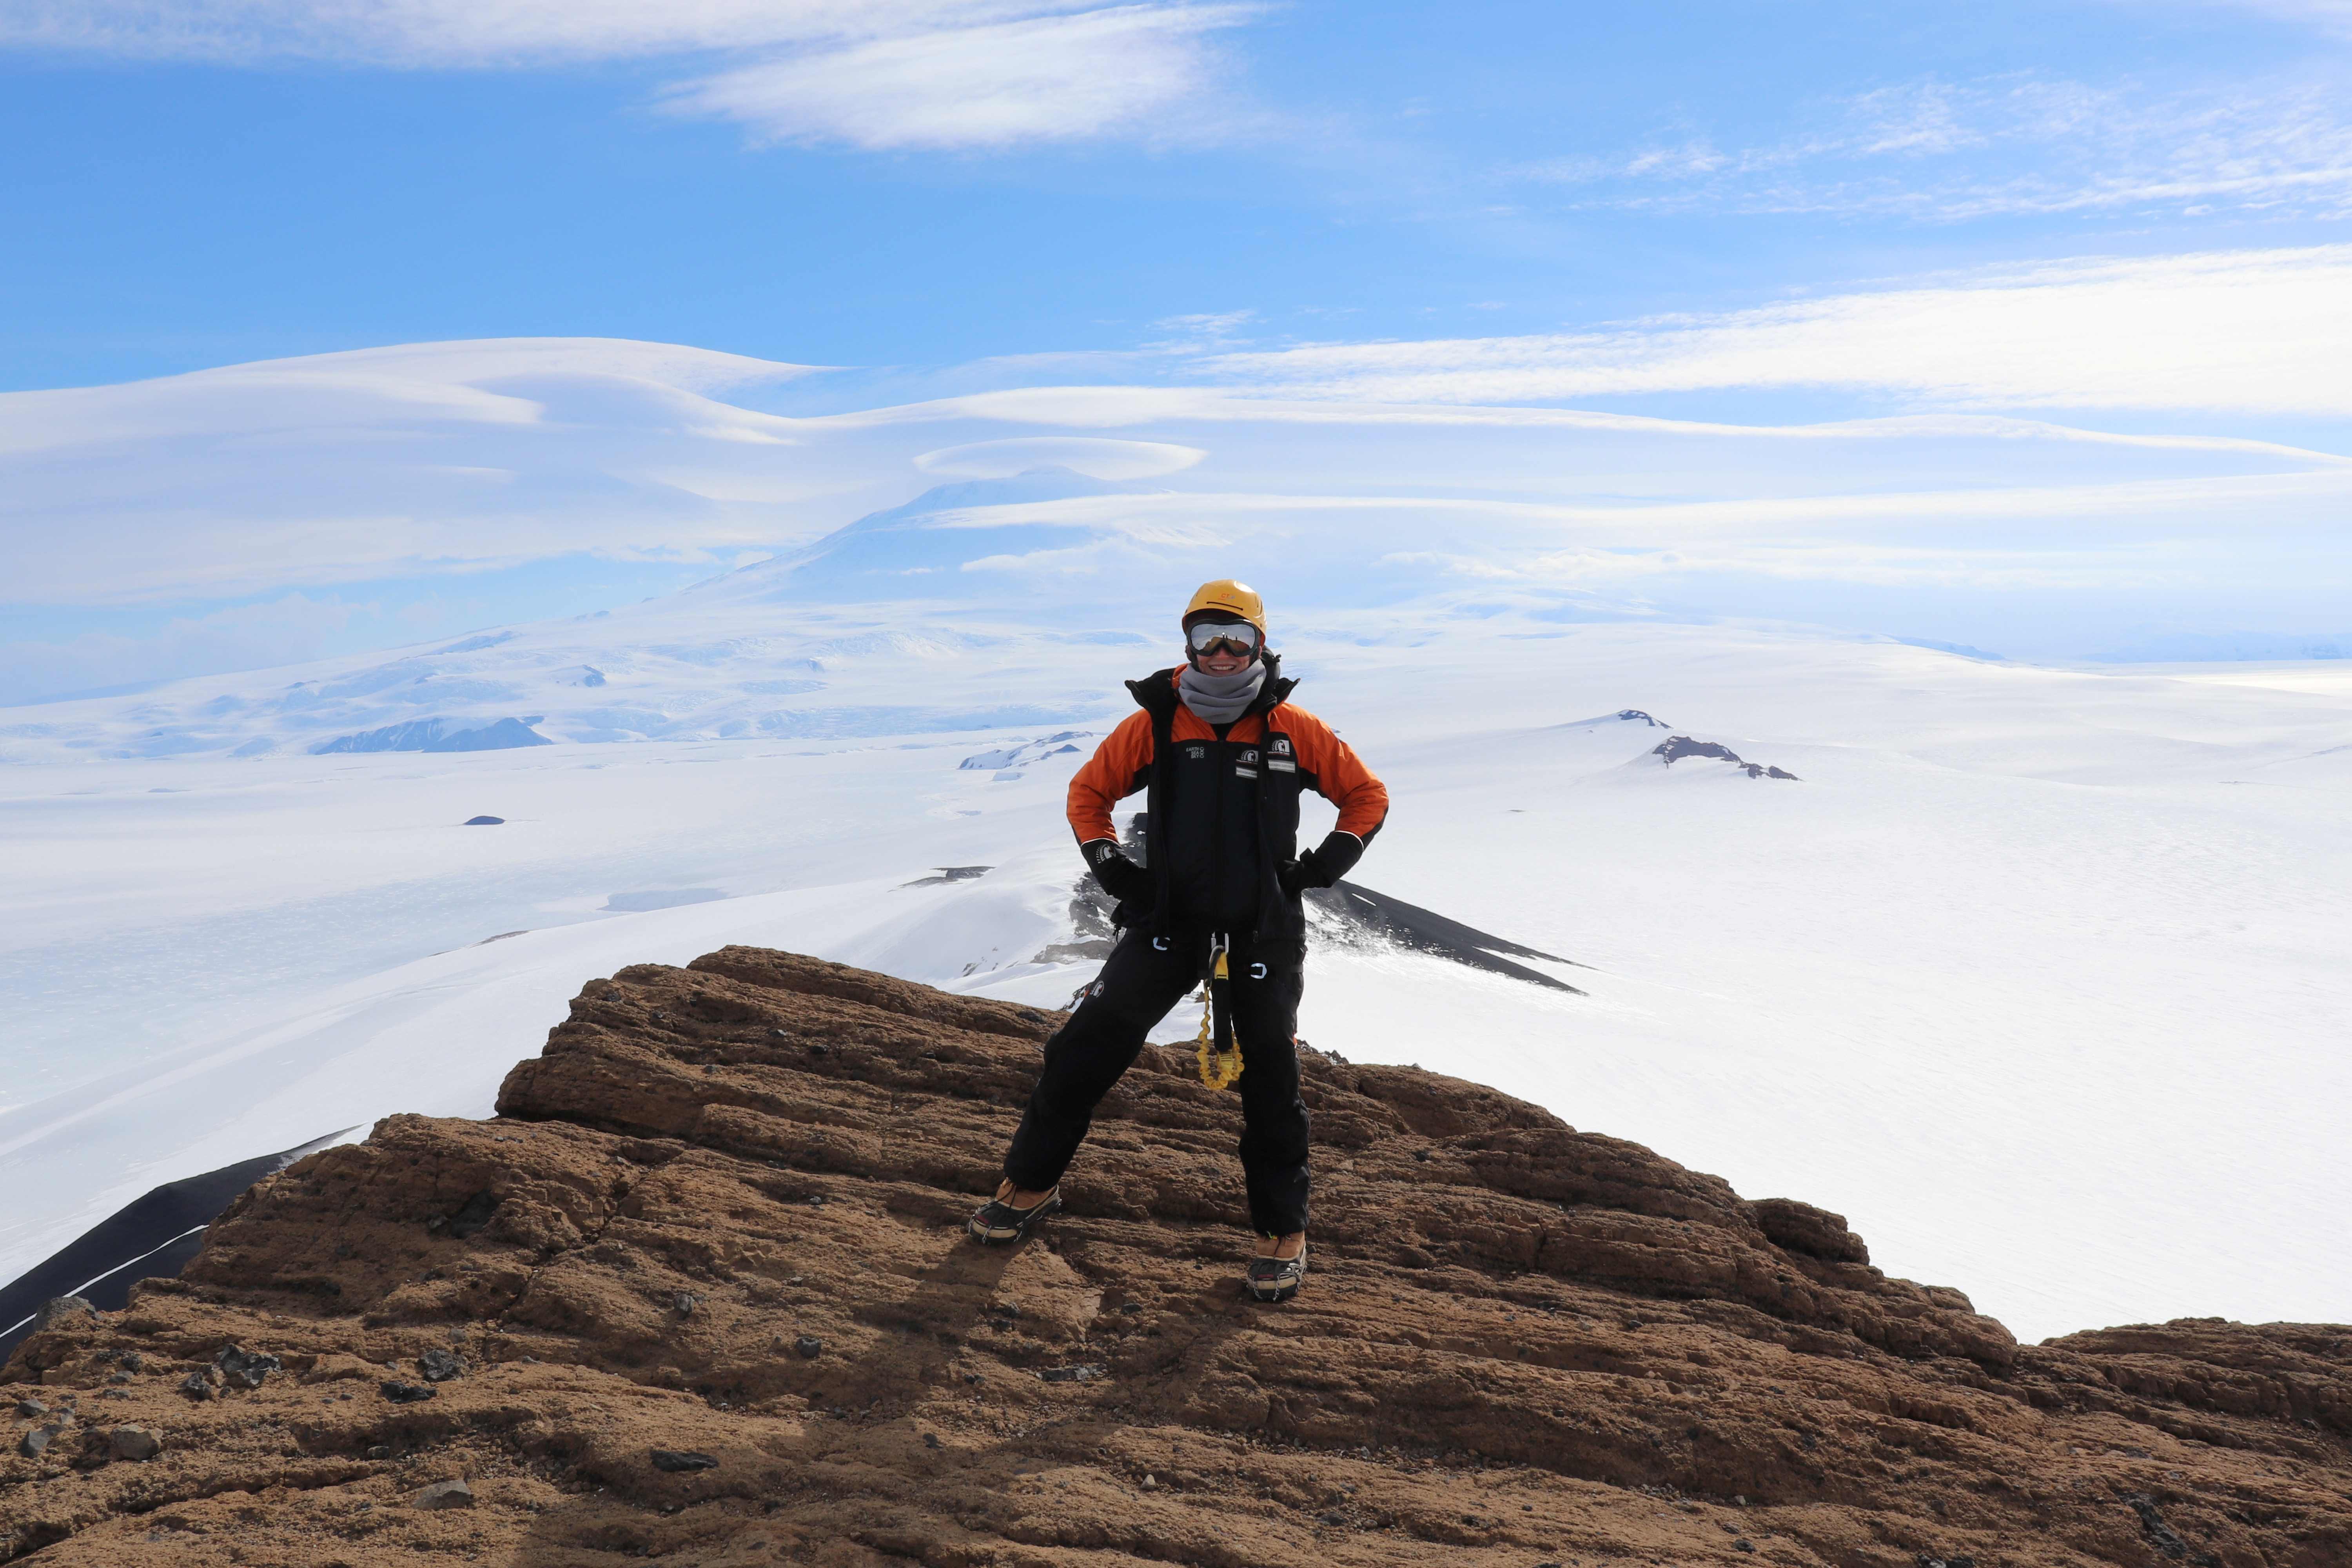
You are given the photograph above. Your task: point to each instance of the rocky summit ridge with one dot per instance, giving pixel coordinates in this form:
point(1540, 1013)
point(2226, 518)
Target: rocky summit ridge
point(699, 1294)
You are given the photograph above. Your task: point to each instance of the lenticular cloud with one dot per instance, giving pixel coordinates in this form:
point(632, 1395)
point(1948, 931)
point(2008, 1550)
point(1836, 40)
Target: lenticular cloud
point(899, 74)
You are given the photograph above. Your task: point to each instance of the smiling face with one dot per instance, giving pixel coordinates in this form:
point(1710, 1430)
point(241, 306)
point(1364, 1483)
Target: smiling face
point(1218, 646)
point(1222, 660)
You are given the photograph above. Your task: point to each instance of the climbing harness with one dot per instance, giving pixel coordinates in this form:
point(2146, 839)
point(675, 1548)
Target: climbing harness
point(1220, 1052)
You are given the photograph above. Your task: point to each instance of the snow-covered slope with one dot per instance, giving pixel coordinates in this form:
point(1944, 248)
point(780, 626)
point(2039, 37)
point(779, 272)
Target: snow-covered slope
point(2034, 973)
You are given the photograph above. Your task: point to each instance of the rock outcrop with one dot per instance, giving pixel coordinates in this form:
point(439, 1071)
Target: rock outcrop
point(699, 1294)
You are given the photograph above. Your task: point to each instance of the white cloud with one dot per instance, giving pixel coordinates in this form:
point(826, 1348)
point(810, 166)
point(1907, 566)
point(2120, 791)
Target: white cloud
point(474, 32)
point(1040, 79)
point(1094, 455)
point(879, 74)
point(171, 497)
point(1948, 151)
point(2249, 332)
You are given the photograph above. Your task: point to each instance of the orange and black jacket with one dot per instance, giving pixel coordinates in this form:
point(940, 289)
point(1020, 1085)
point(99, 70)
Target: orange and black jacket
point(1221, 823)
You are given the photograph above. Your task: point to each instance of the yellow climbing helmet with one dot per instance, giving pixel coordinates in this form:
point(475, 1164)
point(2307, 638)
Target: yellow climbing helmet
point(1228, 600)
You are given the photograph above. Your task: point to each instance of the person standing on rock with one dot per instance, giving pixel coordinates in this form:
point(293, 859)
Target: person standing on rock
point(1222, 755)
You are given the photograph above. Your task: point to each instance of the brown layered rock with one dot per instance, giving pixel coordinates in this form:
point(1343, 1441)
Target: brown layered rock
point(700, 1294)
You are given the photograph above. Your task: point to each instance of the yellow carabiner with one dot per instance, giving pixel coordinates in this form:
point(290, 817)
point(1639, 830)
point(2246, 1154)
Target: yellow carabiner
point(1218, 1071)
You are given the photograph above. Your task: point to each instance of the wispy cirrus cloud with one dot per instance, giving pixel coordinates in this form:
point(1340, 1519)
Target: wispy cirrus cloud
point(2266, 332)
point(1948, 151)
point(2332, 15)
point(981, 75)
point(1125, 69)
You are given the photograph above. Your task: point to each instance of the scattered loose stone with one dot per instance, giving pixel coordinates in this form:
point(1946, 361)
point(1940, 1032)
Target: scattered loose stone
point(134, 1443)
point(35, 1443)
point(239, 1369)
point(677, 1459)
point(28, 1407)
point(439, 1366)
point(1071, 1373)
point(810, 1347)
point(400, 1393)
point(684, 1303)
point(197, 1384)
point(132, 1361)
point(444, 1494)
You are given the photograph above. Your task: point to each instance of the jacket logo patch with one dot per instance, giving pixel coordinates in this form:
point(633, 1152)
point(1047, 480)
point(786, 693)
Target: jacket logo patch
point(1281, 744)
point(1249, 756)
point(1243, 772)
point(1282, 764)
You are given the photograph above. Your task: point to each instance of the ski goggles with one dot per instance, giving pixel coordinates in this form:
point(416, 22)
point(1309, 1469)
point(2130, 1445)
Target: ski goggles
point(1234, 637)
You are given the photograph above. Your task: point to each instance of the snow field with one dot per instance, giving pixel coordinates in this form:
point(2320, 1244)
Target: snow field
point(2033, 974)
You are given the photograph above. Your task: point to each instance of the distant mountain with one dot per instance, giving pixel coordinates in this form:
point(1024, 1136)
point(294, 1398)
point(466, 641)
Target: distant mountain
point(2204, 648)
point(898, 624)
point(922, 549)
point(976, 605)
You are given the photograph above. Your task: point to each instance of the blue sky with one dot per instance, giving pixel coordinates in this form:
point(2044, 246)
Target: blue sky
point(1357, 171)
point(938, 192)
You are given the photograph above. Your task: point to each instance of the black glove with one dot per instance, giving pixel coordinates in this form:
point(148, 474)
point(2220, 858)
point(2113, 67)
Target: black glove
point(1121, 878)
point(1324, 865)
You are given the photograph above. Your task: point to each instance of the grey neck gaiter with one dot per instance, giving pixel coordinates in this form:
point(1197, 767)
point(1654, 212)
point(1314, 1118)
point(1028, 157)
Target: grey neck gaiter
point(1221, 698)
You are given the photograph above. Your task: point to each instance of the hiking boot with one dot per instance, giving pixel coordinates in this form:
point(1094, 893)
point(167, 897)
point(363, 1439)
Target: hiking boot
point(998, 1224)
point(1276, 1279)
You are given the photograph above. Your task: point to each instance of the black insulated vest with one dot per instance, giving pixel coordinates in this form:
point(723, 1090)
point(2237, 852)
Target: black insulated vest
point(1220, 822)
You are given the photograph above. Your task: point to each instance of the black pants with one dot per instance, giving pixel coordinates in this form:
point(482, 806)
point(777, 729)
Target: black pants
point(1140, 982)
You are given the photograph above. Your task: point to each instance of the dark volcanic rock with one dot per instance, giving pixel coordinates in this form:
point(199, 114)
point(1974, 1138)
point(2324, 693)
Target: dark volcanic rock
point(60, 1310)
point(439, 1366)
point(133, 1443)
point(1521, 1343)
point(1675, 748)
point(239, 1369)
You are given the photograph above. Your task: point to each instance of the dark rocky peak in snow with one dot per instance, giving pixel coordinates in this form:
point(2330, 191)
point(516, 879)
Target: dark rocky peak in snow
point(1675, 748)
point(1623, 716)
